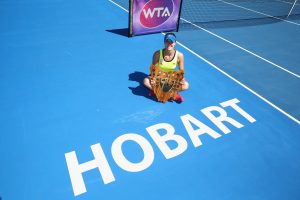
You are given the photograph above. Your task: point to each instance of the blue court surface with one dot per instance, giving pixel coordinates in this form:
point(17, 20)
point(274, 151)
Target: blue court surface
point(77, 122)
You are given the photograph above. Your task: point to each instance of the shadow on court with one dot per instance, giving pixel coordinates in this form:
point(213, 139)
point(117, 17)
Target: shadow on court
point(123, 31)
point(140, 90)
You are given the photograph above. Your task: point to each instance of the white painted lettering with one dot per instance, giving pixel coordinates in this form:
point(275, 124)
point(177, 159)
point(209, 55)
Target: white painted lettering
point(194, 134)
point(121, 160)
point(218, 121)
point(162, 134)
point(232, 103)
point(161, 140)
point(76, 169)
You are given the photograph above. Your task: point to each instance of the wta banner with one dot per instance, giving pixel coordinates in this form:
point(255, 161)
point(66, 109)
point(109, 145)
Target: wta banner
point(152, 16)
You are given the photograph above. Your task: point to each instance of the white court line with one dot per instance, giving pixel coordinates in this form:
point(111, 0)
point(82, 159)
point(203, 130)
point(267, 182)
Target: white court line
point(270, 62)
point(232, 78)
point(254, 54)
point(118, 5)
point(291, 10)
point(287, 2)
point(241, 84)
point(259, 12)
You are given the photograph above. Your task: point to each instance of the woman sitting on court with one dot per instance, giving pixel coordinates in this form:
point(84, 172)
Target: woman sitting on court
point(168, 59)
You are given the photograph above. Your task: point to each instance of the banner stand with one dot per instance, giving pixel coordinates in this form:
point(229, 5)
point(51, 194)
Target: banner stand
point(130, 18)
point(177, 29)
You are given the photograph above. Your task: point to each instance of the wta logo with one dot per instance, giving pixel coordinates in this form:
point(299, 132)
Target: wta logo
point(156, 12)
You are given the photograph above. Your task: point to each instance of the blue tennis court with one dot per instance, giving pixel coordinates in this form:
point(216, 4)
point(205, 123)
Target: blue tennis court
point(77, 122)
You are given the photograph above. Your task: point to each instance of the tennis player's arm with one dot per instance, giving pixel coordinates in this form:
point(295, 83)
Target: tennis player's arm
point(155, 58)
point(180, 61)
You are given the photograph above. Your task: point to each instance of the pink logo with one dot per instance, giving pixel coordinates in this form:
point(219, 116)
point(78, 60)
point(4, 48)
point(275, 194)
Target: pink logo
point(156, 12)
